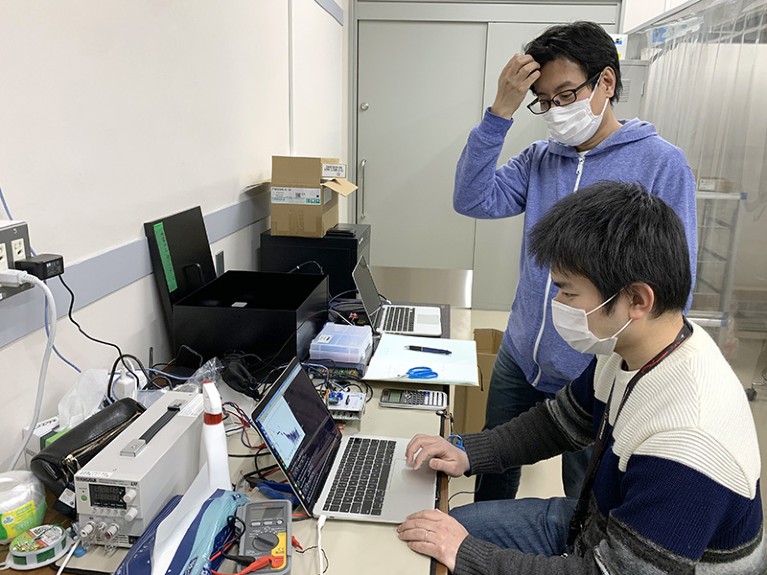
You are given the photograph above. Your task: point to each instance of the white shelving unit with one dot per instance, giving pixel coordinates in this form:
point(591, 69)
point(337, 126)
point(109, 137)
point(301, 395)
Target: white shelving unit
point(712, 305)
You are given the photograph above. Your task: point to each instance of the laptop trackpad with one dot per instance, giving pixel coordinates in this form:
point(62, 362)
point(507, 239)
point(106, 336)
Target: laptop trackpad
point(427, 319)
point(409, 490)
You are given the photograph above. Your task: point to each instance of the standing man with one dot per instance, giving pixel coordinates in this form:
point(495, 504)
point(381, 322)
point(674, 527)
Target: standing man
point(574, 74)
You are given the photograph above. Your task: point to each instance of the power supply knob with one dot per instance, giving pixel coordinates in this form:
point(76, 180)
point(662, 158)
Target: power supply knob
point(129, 496)
point(131, 514)
point(87, 530)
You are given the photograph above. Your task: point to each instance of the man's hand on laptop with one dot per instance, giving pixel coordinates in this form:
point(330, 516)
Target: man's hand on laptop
point(440, 454)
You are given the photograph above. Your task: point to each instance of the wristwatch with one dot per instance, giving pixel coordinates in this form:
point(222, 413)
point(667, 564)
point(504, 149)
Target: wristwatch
point(456, 440)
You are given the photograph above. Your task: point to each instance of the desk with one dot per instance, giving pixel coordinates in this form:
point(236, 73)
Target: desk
point(372, 548)
point(351, 547)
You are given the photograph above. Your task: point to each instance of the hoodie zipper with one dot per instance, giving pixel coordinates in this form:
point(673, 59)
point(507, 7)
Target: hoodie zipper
point(579, 171)
point(537, 379)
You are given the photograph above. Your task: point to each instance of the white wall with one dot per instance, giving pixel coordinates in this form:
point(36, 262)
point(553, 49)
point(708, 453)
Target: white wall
point(113, 113)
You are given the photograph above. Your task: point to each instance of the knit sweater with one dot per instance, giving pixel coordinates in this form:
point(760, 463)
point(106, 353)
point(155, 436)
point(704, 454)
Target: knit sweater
point(677, 490)
point(530, 184)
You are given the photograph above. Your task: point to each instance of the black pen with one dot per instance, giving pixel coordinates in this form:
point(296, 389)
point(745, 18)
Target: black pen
point(428, 349)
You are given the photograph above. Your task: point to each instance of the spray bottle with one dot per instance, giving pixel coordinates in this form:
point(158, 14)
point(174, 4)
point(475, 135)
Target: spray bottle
point(214, 438)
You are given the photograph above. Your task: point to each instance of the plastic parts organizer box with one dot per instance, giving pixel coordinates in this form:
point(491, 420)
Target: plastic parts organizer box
point(343, 343)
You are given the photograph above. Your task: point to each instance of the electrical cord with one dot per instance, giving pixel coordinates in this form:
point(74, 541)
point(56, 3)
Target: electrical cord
point(68, 556)
point(32, 252)
point(55, 349)
point(299, 266)
point(24, 277)
point(305, 549)
point(113, 371)
point(78, 326)
point(320, 524)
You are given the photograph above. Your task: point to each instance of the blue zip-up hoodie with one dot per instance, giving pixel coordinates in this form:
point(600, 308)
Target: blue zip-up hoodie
point(533, 182)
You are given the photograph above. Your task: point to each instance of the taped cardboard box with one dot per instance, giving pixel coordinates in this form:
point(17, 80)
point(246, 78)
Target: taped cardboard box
point(305, 195)
point(470, 402)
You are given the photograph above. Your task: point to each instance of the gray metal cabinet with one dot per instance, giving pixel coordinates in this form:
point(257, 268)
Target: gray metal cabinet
point(423, 73)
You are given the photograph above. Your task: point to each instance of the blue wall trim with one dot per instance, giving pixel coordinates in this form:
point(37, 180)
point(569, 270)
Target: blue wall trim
point(105, 273)
point(333, 9)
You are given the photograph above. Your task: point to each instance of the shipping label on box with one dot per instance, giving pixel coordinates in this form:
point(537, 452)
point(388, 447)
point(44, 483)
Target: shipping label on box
point(333, 170)
point(300, 196)
point(708, 184)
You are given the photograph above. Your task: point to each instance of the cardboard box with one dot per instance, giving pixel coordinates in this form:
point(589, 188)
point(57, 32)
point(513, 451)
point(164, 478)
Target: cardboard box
point(711, 184)
point(469, 403)
point(305, 195)
point(44, 430)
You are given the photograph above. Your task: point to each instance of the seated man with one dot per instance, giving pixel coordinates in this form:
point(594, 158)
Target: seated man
point(673, 484)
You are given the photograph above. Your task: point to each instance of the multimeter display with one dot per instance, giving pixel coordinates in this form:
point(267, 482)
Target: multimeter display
point(267, 533)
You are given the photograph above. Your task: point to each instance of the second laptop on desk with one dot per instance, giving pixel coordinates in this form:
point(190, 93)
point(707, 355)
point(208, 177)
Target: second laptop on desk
point(328, 471)
point(387, 318)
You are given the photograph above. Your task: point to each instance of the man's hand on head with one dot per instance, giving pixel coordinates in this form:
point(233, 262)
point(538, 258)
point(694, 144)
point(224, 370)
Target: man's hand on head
point(516, 78)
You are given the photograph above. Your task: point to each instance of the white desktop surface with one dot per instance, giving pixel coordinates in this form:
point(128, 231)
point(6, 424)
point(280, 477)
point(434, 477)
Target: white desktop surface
point(354, 547)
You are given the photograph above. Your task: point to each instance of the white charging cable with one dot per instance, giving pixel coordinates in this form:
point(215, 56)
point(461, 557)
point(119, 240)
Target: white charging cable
point(320, 523)
point(15, 278)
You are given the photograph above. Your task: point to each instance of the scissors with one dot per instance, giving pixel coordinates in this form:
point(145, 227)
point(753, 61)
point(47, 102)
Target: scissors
point(420, 373)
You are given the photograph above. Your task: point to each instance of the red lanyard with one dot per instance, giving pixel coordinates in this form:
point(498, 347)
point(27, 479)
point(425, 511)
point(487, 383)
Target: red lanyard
point(600, 444)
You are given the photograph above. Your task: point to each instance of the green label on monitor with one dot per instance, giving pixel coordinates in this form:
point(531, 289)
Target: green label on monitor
point(167, 262)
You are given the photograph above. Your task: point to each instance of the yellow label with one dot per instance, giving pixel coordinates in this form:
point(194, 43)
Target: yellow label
point(281, 549)
point(15, 522)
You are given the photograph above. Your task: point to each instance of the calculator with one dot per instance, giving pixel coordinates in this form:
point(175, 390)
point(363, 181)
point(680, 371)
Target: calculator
point(413, 398)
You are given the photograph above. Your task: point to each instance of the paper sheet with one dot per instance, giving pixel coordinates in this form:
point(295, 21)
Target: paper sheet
point(173, 528)
point(392, 360)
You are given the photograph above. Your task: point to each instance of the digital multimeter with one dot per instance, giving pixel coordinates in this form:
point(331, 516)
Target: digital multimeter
point(413, 399)
point(267, 533)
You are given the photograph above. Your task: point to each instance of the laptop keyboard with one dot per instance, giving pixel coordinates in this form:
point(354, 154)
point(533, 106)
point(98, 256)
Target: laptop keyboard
point(399, 318)
point(360, 483)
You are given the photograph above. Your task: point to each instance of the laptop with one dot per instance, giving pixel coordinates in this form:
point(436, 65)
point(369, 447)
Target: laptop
point(387, 318)
point(326, 469)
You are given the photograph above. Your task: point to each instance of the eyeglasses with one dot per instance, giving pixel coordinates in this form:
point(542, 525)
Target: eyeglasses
point(563, 98)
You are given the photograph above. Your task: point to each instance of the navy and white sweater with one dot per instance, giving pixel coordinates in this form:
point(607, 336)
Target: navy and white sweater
point(677, 490)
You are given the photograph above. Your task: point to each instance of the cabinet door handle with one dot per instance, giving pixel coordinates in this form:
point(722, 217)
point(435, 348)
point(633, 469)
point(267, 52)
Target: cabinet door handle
point(361, 198)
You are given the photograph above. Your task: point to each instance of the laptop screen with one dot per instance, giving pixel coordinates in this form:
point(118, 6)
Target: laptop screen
point(363, 279)
point(298, 428)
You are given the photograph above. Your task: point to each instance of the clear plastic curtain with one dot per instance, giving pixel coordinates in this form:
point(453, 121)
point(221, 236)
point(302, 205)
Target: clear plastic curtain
point(706, 90)
point(707, 94)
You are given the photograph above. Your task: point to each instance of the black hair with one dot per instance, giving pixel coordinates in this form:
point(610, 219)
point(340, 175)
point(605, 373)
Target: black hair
point(583, 43)
point(615, 234)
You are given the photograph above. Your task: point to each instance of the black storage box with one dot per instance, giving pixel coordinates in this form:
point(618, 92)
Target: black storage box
point(338, 252)
point(273, 315)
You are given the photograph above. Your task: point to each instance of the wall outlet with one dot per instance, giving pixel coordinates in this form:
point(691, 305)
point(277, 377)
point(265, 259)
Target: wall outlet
point(14, 244)
point(18, 250)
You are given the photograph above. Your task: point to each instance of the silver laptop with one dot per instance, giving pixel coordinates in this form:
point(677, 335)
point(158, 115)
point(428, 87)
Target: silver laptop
point(387, 318)
point(327, 471)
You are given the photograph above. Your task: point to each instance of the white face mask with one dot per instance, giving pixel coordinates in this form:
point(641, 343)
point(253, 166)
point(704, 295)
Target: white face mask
point(573, 325)
point(574, 124)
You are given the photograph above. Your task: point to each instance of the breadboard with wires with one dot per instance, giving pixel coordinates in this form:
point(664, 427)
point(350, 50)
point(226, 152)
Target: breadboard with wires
point(346, 405)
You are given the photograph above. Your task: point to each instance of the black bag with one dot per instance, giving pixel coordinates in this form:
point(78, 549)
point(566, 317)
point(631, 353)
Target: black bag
point(57, 464)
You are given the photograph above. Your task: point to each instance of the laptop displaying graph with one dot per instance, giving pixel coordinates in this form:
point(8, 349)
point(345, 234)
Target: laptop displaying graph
point(355, 477)
point(388, 318)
